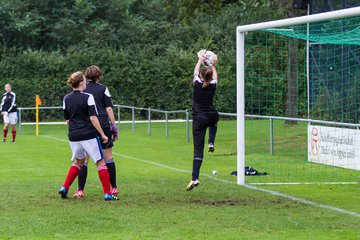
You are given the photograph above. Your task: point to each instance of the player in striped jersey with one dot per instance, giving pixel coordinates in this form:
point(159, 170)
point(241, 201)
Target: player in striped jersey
point(81, 113)
point(9, 112)
point(106, 118)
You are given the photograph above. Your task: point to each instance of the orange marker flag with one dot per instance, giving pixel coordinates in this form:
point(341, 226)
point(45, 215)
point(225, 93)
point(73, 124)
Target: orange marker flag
point(37, 104)
point(37, 100)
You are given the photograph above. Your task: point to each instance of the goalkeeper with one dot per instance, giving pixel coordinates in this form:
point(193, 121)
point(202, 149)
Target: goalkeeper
point(203, 110)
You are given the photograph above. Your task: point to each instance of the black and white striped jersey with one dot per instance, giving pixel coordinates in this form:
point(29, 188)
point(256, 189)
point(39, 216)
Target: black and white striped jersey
point(78, 107)
point(8, 102)
point(102, 100)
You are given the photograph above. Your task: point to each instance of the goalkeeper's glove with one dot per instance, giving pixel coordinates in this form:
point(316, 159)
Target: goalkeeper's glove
point(114, 132)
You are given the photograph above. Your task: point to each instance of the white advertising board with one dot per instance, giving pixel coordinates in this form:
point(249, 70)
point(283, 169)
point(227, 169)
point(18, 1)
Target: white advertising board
point(334, 146)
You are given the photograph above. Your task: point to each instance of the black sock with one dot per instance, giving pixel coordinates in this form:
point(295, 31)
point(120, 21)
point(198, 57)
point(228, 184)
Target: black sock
point(82, 177)
point(196, 168)
point(112, 171)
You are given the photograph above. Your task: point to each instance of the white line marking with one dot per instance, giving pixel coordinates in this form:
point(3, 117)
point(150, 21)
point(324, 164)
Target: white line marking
point(307, 202)
point(275, 193)
point(152, 163)
point(54, 138)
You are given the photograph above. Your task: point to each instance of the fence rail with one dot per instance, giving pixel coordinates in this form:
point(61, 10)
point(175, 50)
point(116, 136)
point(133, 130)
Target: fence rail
point(132, 108)
point(167, 113)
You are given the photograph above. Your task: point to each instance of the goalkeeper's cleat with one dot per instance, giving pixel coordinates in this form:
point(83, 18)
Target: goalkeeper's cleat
point(211, 147)
point(63, 192)
point(79, 194)
point(110, 197)
point(192, 184)
point(114, 191)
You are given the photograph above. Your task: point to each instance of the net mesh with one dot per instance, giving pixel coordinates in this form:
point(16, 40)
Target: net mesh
point(279, 82)
point(341, 31)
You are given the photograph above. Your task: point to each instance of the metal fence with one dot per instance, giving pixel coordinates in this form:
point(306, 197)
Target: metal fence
point(187, 120)
point(133, 118)
point(309, 121)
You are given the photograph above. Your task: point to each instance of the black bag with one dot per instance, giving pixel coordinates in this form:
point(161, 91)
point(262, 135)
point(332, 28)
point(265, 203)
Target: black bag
point(250, 171)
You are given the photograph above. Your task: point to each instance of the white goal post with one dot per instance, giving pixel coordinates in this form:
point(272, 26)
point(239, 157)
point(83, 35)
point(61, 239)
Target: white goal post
point(240, 69)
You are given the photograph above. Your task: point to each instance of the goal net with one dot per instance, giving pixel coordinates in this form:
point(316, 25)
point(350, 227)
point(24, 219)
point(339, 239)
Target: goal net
point(298, 98)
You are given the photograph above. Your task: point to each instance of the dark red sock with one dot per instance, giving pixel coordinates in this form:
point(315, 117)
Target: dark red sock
point(5, 133)
point(72, 174)
point(13, 134)
point(104, 178)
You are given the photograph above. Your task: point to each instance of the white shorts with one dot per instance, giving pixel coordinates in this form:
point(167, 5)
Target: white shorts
point(92, 147)
point(10, 118)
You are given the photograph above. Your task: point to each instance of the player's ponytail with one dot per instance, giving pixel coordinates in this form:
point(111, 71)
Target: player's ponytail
point(75, 79)
point(207, 74)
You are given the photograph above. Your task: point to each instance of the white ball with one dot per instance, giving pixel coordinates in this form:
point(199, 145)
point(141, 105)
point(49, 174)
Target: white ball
point(210, 58)
point(214, 172)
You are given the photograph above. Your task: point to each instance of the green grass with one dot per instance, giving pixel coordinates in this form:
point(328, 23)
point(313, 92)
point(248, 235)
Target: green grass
point(154, 204)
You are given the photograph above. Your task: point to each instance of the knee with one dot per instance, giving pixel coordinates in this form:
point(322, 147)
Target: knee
point(80, 162)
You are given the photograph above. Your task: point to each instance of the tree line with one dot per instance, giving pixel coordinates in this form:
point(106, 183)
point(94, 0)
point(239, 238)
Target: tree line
point(146, 48)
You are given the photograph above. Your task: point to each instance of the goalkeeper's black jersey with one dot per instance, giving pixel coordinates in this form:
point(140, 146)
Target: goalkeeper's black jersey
point(78, 107)
point(203, 97)
point(8, 102)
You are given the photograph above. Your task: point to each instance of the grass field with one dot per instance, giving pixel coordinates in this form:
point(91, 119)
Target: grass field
point(152, 174)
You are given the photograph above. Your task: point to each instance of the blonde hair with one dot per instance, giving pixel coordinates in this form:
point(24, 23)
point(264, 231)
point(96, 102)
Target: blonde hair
point(206, 74)
point(75, 79)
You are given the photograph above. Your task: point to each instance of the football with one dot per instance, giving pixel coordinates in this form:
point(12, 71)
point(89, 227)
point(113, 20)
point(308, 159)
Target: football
point(210, 58)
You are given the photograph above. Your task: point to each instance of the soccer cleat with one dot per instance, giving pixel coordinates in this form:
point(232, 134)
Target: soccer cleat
point(63, 192)
point(192, 184)
point(13, 140)
point(110, 197)
point(114, 191)
point(211, 147)
point(4, 140)
point(79, 194)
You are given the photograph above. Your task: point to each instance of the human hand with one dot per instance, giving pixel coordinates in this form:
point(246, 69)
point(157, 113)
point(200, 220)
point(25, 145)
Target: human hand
point(216, 60)
point(201, 54)
point(114, 132)
point(104, 138)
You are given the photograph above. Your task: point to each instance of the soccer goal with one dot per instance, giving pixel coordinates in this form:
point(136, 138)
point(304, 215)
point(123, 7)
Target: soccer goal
point(298, 99)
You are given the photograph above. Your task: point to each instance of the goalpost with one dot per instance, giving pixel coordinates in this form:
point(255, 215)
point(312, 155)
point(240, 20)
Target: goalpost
point(323, 118)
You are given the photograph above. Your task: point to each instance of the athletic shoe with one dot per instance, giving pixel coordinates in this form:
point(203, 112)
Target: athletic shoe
point(4, 140)
point(63, 192)
point(114, 191)
point(13, 140)
point(211, 147)
point(110, 197)
point(79, 194)
point(192, 184)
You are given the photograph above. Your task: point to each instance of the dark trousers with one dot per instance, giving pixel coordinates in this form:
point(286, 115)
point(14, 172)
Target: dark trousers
point(212, 134)
point(200, 123)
